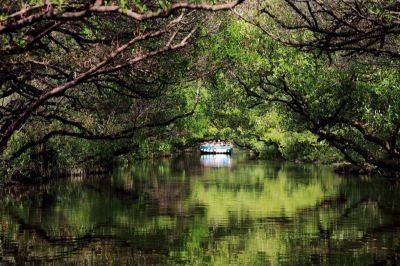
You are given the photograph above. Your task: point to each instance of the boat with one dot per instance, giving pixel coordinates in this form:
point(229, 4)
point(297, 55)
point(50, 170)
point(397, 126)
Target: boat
point(216, 148)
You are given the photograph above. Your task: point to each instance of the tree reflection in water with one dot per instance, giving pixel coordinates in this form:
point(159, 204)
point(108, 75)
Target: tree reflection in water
point(179, 212)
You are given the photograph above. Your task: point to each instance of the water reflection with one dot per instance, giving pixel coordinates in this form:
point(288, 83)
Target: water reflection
point(216, 160)
point(177, 211)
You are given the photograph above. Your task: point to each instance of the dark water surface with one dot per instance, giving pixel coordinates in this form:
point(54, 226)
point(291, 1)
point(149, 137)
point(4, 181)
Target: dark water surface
point(213, 210)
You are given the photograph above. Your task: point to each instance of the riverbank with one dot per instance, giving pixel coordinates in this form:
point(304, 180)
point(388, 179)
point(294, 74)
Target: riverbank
point(104, 167)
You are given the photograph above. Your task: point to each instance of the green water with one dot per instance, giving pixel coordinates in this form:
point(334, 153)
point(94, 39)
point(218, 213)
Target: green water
point(203, 211)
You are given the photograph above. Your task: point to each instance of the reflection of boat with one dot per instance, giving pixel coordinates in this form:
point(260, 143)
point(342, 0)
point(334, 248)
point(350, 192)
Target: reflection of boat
point(216, 148)
point(216, 160)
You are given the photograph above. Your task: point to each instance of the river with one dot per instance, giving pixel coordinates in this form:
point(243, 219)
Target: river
point(203, 210)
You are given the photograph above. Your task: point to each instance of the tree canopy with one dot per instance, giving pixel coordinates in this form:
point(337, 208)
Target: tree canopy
point(297, 80)
point(93, 69)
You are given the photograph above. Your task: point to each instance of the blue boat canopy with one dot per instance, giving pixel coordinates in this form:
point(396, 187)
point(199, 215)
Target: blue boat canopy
point(216, 148)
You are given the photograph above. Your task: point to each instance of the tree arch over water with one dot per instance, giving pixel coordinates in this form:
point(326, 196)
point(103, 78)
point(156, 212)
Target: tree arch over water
point(63, 61)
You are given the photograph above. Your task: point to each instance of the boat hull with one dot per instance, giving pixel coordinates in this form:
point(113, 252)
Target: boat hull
point(216, 152)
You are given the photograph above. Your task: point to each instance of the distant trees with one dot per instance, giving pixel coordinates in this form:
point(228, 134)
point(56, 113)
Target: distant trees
point(91, 69)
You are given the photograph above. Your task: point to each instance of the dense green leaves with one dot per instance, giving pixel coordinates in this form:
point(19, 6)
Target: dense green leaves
point(242, 81)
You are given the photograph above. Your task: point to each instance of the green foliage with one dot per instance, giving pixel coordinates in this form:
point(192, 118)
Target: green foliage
point(239, 74)
point(21, 165)
point(296, 97)
point(242, 50)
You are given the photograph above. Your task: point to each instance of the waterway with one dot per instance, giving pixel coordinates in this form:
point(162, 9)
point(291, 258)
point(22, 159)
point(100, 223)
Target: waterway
point(203, 210)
